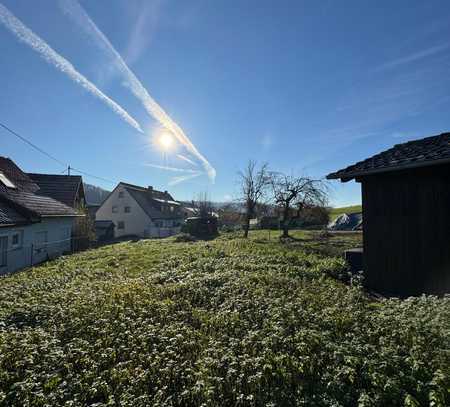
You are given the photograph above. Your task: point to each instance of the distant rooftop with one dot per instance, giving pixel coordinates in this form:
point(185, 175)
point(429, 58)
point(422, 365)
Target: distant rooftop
point(418, 153)
point(155, 193)
point(149, 199)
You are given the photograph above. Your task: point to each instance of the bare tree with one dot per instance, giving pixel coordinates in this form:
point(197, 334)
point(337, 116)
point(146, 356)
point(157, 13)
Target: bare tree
point(254, 182)
point(293, 194)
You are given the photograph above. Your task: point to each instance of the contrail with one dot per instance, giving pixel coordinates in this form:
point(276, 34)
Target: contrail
point(79, 15)
point(28, 37)
point(177, 180)
point(174, 169)
point(182, 157)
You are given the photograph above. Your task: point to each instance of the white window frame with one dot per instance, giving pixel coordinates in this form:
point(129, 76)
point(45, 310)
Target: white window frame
point(118, 225)
point(127, 209)
point(114, 209)
point(121, 194)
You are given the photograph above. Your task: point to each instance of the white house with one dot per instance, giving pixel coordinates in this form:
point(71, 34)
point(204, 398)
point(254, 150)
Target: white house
point(139, 211)
point(33, 227)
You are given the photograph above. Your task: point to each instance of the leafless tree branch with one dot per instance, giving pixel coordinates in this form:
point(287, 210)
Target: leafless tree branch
point(254, 184)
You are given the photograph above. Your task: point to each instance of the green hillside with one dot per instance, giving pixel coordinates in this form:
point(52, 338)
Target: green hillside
point(335, 212)
point(229, 322)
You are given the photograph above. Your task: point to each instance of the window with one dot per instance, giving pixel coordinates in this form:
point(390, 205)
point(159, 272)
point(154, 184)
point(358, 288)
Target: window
point(121, 224)
point(114, 209)
point(121, 194)
point(172, 209)
point(158, 223)
point(3, 251)
point(127, 209)
point(16, 240)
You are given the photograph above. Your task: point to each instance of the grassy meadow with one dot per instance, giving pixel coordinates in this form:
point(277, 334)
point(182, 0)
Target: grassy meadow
point(228, 322)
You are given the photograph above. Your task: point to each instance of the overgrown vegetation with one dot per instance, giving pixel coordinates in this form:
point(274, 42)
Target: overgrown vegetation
point(231, 322)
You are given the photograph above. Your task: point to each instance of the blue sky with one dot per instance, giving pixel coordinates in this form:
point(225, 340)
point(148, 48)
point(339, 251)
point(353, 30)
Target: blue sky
point(309, 87)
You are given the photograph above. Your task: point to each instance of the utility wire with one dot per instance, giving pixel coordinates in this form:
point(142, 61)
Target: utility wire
point(33, 145)
point(53, 158)
point(93, 176)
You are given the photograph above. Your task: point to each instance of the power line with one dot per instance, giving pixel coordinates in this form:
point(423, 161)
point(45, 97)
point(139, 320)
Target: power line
point(93, 176)
point(33, 145)
point(68, 167)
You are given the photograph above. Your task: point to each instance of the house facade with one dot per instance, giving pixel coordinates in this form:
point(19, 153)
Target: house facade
point(406, 216)
point(30, 244)
point(69, 190)
point(139, 211)
point(33, 227)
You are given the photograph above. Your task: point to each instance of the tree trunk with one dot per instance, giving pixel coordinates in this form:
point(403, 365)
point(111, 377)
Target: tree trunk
point(286, 222)
point(246, 226)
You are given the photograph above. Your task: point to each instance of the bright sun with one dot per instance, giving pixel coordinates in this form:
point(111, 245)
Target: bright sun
point(165, 141)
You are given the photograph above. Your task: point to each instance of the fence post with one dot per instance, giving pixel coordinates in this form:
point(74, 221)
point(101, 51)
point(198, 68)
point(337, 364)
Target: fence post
point(31, 255)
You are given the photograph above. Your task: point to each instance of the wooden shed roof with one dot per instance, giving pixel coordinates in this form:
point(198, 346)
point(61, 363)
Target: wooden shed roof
point(417, 153)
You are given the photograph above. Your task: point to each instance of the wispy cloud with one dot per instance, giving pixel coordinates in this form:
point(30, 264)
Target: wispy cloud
point(74, 9)
point(412, 57)
point(177, 180)
point(25, 35)
point(188, 160)
point(379, 102)
point(142, 28)
point(173, 169)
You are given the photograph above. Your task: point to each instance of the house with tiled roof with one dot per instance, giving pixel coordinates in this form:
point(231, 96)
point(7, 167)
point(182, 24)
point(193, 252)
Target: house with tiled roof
point(67, 189)
point(33, 227)
point(406, 216)
point(140, 211)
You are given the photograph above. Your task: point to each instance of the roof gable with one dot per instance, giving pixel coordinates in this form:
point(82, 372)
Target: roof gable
point(150, 200)
point(23, 203)
point(413, 154)
point(63, 188)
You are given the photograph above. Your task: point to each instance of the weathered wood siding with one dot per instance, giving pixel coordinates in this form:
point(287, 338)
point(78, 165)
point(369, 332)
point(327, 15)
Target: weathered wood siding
point(407, 231)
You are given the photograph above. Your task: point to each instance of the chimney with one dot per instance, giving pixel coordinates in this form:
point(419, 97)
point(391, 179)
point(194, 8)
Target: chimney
point(150, 188)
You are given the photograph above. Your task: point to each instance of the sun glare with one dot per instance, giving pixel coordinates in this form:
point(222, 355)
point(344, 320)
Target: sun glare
point(165, 141)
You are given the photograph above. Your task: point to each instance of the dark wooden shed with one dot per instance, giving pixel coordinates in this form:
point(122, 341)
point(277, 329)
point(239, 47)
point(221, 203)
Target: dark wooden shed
point(406, 216)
